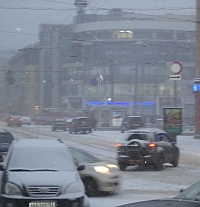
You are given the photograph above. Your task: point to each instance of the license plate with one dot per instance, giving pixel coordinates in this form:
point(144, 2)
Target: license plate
point(42, 204)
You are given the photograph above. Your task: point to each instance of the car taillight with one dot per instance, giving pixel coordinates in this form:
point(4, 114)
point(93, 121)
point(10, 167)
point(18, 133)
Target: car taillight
point(151, 145)
point(20, 119)
point(11, 119)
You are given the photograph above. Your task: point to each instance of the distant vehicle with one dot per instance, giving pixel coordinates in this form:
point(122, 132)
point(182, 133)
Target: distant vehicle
point(6, 139)
point(80, 124)
point(131, 122)
point(14, 121)
point(26, 120)
point(39, 120)
point(147, 147)
point(98, 176)
point(190, 197)
point(40, 172)
point(59, 124)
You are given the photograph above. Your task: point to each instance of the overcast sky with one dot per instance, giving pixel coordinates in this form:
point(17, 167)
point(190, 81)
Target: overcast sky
point(20, 18)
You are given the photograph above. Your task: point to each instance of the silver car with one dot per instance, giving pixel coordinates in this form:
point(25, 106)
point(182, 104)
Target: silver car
point(98, 176)
point(40, 172)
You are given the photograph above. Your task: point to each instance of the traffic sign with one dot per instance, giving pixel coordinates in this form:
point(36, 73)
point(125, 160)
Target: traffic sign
point(176, 67)
point(175, 77)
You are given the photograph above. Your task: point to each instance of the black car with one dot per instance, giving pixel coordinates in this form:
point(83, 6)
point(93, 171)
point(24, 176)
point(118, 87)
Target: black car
point(147, 147)
point(59, 124)
point(189, 197)
point(80, 124)
point(131, 122)
point(6, 139)
point(40, 172)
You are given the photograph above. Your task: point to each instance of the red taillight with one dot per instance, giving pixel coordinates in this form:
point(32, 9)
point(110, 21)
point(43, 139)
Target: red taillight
point(118, 145)
point(11, 119)
point(20, 119)
point(151, 145)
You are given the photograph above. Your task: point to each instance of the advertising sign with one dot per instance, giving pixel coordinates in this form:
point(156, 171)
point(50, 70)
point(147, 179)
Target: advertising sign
point(117, 118)
point(173, 120)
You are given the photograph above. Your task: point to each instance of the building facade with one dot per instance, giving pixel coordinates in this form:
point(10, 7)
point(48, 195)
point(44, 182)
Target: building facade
point(116, 63)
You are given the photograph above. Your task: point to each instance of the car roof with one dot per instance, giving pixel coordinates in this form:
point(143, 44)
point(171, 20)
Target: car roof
point(146, 130)
point(81, 117)
point(38, 143)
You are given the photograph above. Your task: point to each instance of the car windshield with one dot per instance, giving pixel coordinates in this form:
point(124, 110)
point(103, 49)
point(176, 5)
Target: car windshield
point(5, 138)
point(32, 159)
point(82, 156)
point(191, 193)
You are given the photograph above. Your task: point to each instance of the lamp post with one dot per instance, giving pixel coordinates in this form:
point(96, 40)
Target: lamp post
point(136, 86)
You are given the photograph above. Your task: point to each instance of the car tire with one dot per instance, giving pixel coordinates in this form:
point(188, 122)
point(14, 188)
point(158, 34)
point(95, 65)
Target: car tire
point(122, 166)
point(75, 131)
point(90, 130)
point(158, 165)
point(175, 161)
point(91, 187)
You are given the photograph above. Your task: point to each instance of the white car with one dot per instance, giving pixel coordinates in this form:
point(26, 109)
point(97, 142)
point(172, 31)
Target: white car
point(26, 120)
point(98, 176)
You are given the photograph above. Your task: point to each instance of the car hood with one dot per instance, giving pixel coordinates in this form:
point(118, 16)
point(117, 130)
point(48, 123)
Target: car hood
point(43, 178)
point(163, 203)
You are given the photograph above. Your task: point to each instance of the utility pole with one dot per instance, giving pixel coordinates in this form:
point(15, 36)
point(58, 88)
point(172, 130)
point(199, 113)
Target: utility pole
point(136, 86)
point(112, 80)
point(197, 93)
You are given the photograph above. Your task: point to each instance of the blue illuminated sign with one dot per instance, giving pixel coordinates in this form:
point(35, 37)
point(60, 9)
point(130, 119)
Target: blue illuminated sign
point(196, 87)
point(125, 104)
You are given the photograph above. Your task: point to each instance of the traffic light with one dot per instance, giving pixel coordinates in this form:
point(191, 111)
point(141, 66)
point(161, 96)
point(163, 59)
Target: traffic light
point(9, 77)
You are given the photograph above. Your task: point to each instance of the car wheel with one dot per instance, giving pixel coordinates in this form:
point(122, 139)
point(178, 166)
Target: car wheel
point(122, 166)
point(90, 130)
point(158, 165)
point(175, 161)
point(91, 187)
point(75, 131)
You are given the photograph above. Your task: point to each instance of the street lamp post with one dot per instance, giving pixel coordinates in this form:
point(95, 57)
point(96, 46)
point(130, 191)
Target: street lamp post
point(136, 86)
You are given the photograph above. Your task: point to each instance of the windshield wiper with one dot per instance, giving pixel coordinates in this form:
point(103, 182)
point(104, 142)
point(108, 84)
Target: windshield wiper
point(20, 170)
point(45, 170)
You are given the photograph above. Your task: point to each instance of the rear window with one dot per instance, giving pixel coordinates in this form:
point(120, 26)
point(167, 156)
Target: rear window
point(5, 138)
point(135, 119)
point(138, 137)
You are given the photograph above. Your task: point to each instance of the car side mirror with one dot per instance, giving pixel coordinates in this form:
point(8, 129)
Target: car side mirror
point(1, 167)
point(80, 167)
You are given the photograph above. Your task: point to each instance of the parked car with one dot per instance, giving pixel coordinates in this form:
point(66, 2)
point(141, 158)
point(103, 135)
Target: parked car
point(14, 121)
point(189, 197)
point(98, 176)
point(131, 122)
point(147, 147)
point(80, 124)
point(26, 120)
point(40, 172)
point(6, 139)
point(59, 124)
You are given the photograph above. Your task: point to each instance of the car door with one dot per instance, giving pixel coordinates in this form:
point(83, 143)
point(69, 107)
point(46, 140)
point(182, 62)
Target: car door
point(164, 142)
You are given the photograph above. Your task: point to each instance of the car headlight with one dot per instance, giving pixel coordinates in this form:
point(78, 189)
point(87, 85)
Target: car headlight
point(102, 169)
point(12, 189)
point(112, 166)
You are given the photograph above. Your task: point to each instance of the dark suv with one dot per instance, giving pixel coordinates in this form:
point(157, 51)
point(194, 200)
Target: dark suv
point(131, 122)
point(6, 139)
point(147, 147)
point(80, 124)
